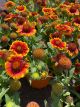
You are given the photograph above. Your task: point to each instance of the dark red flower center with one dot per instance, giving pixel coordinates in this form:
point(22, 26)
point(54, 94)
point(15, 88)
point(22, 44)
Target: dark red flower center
point(72, 10)
point(77, 20)
point(72, 47)
point(26, 28)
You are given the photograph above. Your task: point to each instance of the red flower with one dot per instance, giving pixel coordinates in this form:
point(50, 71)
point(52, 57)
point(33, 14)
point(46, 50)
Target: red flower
point(72, 10)
point(21, 8)
point(9, 4)
point(16, 67)
point(27, 29)
point(72, 49)
point(58, 43)
point(65, 29)
point(20, 47)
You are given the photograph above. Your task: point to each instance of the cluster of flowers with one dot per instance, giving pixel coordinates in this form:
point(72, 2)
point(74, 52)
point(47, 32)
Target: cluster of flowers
point(38, 37)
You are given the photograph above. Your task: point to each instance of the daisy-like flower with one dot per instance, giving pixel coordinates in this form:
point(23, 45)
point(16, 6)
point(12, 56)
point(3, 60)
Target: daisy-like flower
point(72, 11)
point(20, 8)
point(9, 4)
point(65, 29)
point(76, 21)
point(72, 49)
point(48, 11)
point(8, 17)
point(16, 67)
point(64, 6)
point(55, 35)
point(58, 43)
point(42, 19)
point(27, 29)
point(53, 16)
point(20, 47)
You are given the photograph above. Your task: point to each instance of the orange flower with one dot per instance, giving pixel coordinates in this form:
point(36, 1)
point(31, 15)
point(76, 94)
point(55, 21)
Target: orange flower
point(72, 49)
point(27, 29)
point(64, 6)
point(9, 4)
point(20, 47)
point(72, 11)
point(55, 35)
point(21, 8)
point(58, 43)
point(48, 11)
point(16, 67)
point(53, 16)
point(42, 19)
point(8, 17)
point(66, 29)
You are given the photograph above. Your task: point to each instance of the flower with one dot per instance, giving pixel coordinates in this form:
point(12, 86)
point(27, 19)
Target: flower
point(9, 4)
point(32, 103)
point(8, 17)
point(27, 29)
point(16, 67)
point(76, 21)
point(58, 43)
point(72, 49)
point(65, 29)
point(72, 11)
point(48, 11)
point(20, 8)
point(55, 35)
point(42, 19)
point(65, 62)
point(38, 53)
point(20, 47)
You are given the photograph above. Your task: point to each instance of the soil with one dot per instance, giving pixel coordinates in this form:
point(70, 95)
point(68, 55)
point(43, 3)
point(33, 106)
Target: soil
point(27, 94)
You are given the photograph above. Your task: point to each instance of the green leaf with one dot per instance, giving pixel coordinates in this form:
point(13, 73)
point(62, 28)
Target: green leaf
point(10, 102)
point(3, 92)
point(71, 71)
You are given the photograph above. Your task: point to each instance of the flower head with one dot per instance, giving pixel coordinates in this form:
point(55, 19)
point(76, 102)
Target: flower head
point(9, 4)
point(16, 67)
point(76, 21)
point(72, 49)
point(20, 47)
point(58, 43)
point(55, 35)
point(72, 11)
point(64, 28)
point(27, 29)
point(65, 62)
point(20, 8)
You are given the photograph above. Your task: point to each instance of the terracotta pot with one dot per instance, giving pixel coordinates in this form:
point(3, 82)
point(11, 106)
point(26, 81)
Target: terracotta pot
point(40, 83)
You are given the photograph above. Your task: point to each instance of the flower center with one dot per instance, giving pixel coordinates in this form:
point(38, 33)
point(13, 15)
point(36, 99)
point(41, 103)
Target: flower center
point(26, 28)
point(72, 47)
point(19, 48)
point(77, 20)
point(57, 42)
point(72, 10)
point(16, 65)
